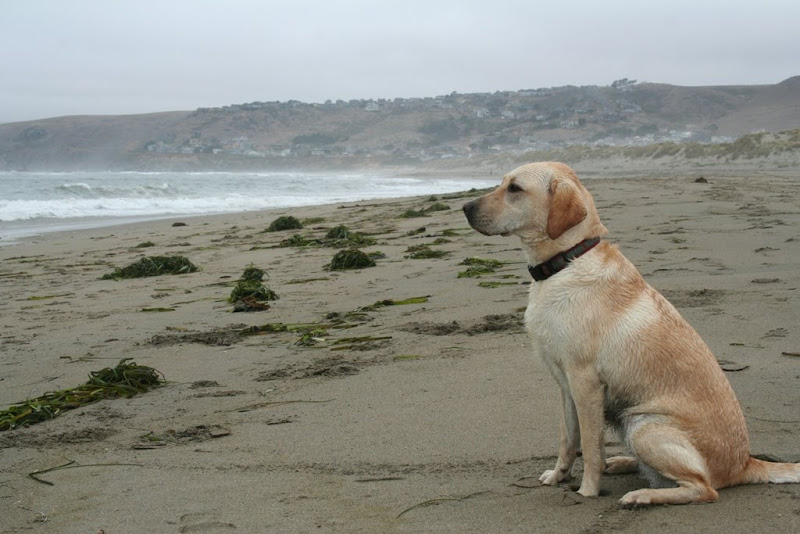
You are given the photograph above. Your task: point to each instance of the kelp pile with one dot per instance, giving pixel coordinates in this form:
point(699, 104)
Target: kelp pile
point(350, 258)
point(153, 266)
point(285, 222)
point(250, 293)
point(124, 380)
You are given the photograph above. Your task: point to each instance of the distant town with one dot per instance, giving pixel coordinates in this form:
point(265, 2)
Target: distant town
point(408, 131)
point(519, 116)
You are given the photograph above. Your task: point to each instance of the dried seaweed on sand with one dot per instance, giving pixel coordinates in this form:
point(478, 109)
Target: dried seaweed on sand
point(286, 222)
point(124, 380)
point(249, 293)
point(153, 266)
point(350, 258)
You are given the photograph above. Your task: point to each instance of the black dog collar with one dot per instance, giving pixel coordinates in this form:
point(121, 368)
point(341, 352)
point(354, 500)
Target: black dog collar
point(545, 270)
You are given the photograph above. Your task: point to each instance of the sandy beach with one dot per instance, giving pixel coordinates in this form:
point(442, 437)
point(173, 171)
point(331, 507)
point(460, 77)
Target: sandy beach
point(421, 416)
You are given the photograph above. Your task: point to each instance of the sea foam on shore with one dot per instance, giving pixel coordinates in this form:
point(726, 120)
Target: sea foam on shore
point(37, 202)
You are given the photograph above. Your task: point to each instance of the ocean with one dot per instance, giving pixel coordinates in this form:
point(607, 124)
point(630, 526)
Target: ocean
point(33, 203)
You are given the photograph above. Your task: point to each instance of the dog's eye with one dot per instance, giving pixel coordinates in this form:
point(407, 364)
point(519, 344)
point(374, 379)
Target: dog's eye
point(514, 188)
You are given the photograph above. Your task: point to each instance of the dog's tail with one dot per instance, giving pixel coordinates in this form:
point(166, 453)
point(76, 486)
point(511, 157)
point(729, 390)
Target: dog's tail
point(760, 472)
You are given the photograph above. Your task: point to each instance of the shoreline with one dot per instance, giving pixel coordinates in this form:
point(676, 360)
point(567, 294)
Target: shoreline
point(88, 226)
point(425, 416)
point(13, 231)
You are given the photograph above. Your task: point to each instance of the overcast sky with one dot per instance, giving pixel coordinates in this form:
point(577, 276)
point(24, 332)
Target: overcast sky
point(69, 57)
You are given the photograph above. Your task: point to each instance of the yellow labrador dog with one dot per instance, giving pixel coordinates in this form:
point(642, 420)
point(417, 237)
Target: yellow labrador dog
point(621, 354)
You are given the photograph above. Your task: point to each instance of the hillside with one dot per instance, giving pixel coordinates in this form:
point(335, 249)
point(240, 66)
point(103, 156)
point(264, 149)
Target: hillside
point(264, 135)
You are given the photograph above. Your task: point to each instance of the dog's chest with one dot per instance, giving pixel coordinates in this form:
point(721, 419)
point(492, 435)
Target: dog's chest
point(555, 321)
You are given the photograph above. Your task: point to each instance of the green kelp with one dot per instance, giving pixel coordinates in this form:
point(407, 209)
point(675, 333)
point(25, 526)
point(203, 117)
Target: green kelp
point(337, 237)
point(437, 206)
point(494, 264)
point(350, 258)
point(47, 297)
point(342, 236)
point(338, 232)
point(412, 213)
point(124, 380)
point(479, 266)
point(323, 334)
point(311, 337)
point(493, 284)
point(420, 252)
point(250, 293)
point(391, 302)
point(299, 240)
point(449, 232)
point(253, 274)
point(285, 222)
point(153, 266)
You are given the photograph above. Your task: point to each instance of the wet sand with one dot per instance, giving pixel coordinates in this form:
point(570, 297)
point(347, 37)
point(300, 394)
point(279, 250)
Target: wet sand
point(429, 416)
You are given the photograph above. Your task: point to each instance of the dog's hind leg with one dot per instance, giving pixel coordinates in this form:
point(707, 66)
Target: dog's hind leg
point(619, 465)
point(669, 452)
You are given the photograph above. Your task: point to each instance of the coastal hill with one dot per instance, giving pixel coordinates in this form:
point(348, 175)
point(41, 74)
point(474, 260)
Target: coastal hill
point(625, 115)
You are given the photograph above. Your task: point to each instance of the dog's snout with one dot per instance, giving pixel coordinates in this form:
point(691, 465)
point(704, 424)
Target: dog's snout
point(470, 208)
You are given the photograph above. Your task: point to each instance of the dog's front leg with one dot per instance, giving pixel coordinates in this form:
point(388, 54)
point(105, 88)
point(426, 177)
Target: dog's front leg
point(569, 439)
point(587, 391)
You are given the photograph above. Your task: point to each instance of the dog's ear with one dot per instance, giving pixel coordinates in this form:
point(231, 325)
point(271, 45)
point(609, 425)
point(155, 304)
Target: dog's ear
point(566, 208)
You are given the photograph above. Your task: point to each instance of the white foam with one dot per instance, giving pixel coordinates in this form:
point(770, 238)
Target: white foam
point(50, 201)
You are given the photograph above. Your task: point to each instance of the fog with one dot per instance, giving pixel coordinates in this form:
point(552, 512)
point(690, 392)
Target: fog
point(99, 57)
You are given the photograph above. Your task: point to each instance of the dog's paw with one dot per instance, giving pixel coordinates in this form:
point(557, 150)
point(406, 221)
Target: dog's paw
point(551, 477)
point(636, 498)
point(589, 491)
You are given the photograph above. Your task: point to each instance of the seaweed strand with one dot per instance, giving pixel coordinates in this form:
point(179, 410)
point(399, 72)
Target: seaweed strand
point(124, 380)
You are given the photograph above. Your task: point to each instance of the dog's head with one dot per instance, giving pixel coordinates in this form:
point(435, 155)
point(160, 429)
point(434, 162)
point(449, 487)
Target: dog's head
point(543, 203)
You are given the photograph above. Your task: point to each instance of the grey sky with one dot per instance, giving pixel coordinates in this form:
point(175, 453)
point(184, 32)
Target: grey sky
point(137, 56)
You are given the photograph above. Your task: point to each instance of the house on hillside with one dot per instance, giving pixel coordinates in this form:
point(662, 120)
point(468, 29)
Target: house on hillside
point(278, 152)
